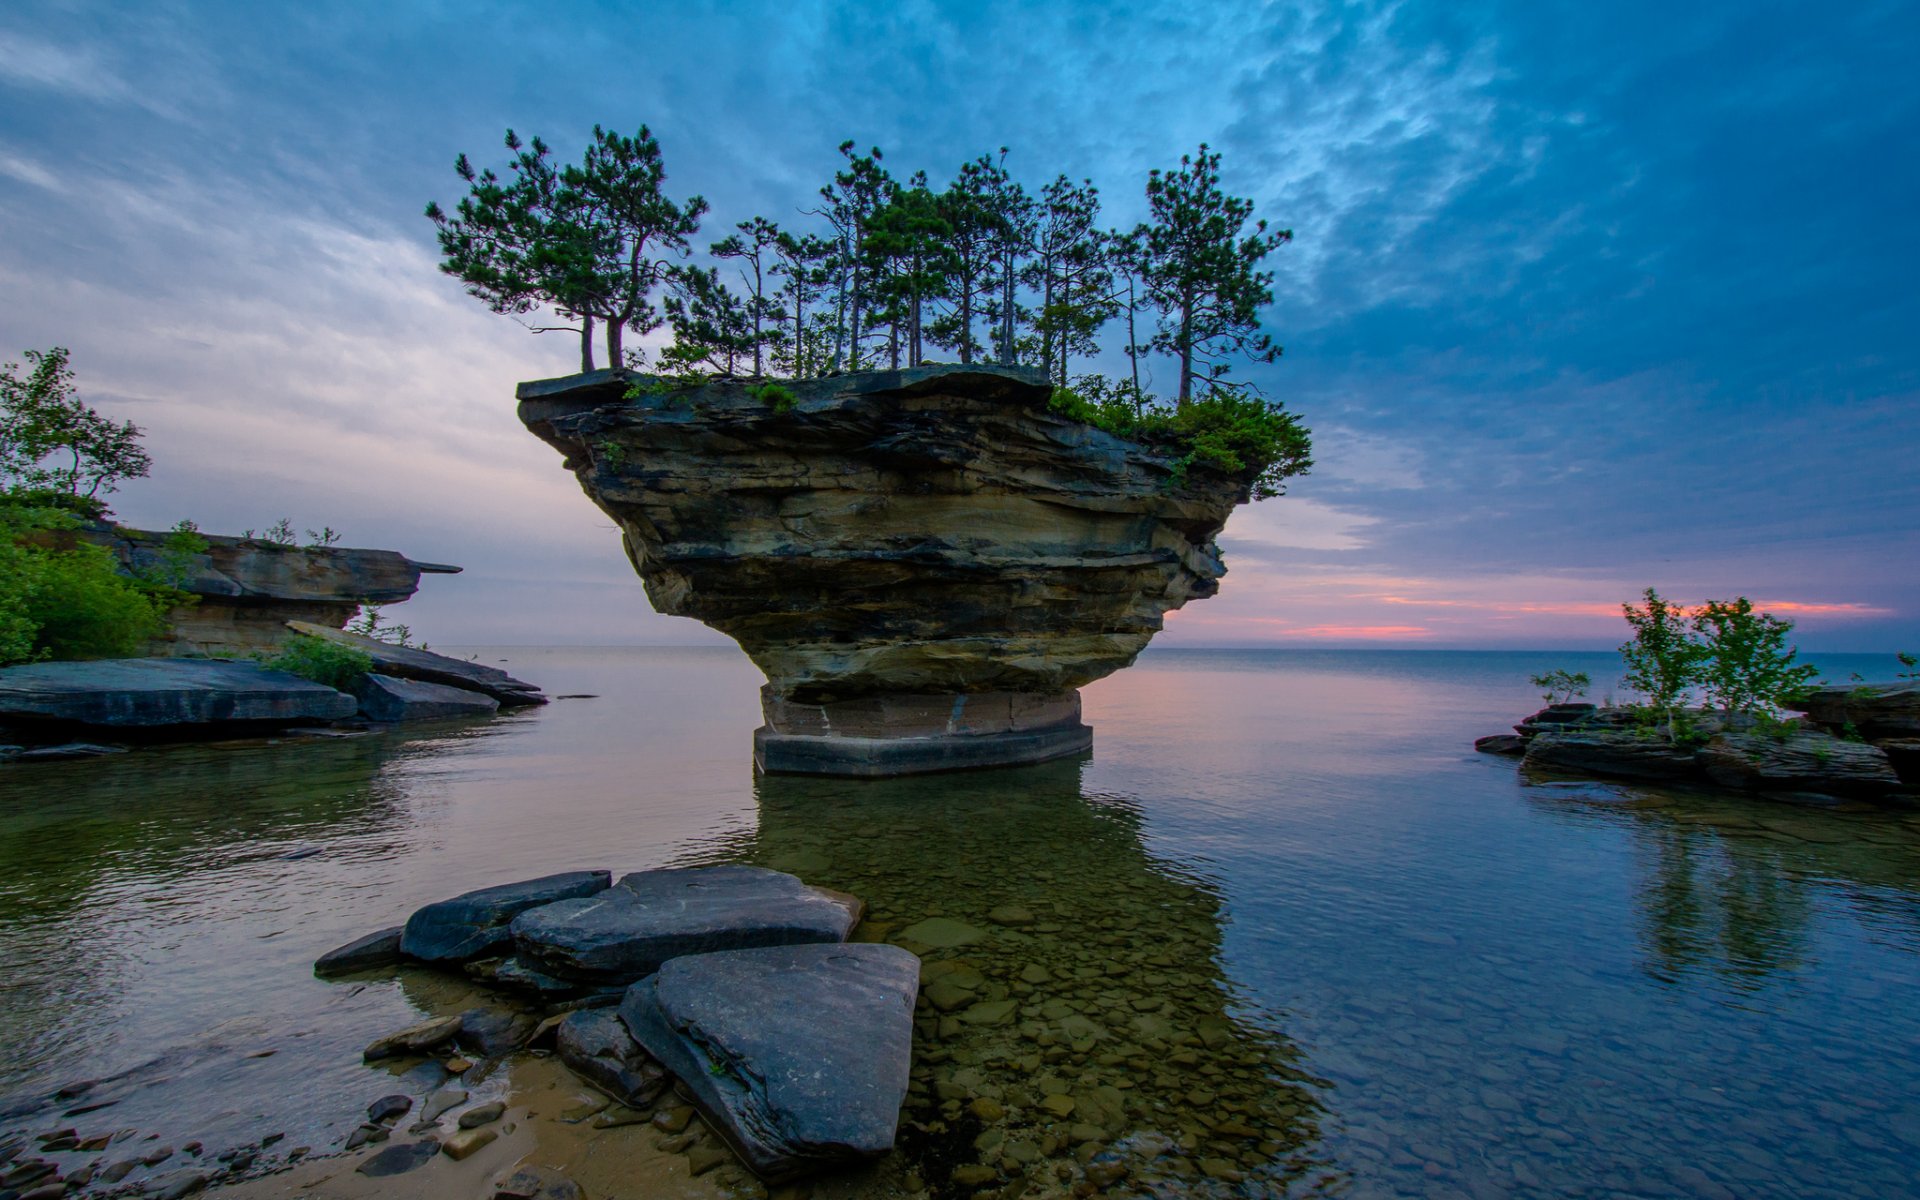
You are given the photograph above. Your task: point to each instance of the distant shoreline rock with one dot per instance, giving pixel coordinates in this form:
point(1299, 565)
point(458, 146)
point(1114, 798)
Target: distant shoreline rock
point(1829, 754)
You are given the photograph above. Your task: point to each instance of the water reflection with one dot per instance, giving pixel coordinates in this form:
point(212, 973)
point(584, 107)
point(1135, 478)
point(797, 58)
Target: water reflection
point(1076, 1022)
point(1729, 886)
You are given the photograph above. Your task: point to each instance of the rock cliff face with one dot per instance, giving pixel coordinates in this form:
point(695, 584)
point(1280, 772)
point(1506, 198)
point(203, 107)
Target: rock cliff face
point(913, 553)
point(249, 589)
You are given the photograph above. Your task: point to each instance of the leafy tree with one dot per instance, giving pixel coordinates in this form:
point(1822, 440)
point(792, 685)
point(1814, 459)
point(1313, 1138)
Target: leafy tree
point(1912, 665)
point(1559, 686)
point(1201, 270)
point(52, 441)
point(755, 245)
point(1664, 660)
point(63, 598)
point(1748, 666)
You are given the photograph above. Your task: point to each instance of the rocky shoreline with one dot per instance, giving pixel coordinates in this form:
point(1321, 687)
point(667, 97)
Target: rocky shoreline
point(1851, 743)
point(60, 710)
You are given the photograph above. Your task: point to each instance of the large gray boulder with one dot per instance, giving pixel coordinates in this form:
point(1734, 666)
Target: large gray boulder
point(408, 662)
point(1875, 710)
point(627, 931)
point(798, 1055)
point(1619, 753)
point(153, 692)
point(596, 1043)
point(1806, 760)
point(476, 924)
point(384, 698)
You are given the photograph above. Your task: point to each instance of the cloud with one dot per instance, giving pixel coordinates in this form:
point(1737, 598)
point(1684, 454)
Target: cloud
point(30, 62)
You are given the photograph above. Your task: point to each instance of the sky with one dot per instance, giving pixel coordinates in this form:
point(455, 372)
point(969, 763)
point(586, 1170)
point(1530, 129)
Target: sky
point(1581, 299)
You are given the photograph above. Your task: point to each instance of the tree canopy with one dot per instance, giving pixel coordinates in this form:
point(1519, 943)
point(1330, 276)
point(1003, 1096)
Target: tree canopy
point(880, 271)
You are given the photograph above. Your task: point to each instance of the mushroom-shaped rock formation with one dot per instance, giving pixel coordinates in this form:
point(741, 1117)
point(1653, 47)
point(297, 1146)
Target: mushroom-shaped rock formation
point(926, 563)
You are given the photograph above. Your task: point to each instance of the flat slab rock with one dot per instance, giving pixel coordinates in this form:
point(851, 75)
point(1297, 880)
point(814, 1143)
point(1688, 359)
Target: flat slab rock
point(385, 698)
point(407, 662)
point(597, 1045)
point(649, 917)
point(476, 924)
point(152, 692)
point(380, 948)
point(798, 1054)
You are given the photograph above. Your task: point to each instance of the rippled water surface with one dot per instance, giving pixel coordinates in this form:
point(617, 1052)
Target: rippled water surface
point(1284, 933)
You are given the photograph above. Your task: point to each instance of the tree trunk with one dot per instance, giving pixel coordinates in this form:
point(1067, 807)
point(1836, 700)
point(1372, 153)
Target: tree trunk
point(759, 302)
point(1186, 351)
point(586, 343)
point(1133, 350)
point(615, 327)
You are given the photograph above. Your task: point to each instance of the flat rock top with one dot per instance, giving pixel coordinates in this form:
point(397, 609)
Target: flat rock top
point(814, 1040)
point(150, 675)
point(409, 662)
point(473, 923)
point(651, 916)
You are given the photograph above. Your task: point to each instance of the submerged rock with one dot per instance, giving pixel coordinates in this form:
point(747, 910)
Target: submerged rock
point(492, 1033)
point(399, 1158)
point(536, 1183)
point(415, 1039)
point(475, 924)
point(1805, 760)
point(1501, 743)
point(383, 698)
point(408, 662)
point(156, 692)
point(799, 1055)
point(649, 917)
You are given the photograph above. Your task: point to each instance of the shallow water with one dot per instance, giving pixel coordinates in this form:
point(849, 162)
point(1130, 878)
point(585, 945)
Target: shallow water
point(1283, 933)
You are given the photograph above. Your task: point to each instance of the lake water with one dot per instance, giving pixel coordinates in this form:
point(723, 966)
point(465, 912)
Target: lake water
point(1285, 933)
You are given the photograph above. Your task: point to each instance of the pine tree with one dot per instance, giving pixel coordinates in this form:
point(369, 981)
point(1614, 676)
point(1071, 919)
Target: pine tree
point(971, 242)
point(711, 326)
point(1070, 272)
point(909, 234)
point(1201, 271)
point(850, 201)
point(755, 246)
point(805, 264)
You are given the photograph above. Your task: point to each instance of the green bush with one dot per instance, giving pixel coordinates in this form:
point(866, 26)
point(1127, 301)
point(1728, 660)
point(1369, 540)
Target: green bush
point(777, 397)
point(1240, 435)
point(61, 598)
point(321, 661)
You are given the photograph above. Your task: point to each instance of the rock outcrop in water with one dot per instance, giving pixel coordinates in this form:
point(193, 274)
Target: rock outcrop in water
point(925, 563)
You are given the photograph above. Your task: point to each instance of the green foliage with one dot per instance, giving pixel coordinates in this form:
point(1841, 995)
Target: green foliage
point(322, 661)
point(612, 453)
point(1748, 666)
point(369, 625)
point(321, 538)
point(51, 441)
point(1851, 733)
point(177, 561)
point(777, 397)
point(1240, 435)
point(1560, 687)
point(62, 598)
point(1912, 665)
point(1664, 659)
point(279, 534)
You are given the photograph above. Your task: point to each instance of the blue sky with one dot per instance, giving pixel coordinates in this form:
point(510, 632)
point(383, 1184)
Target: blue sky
point(1581, 298)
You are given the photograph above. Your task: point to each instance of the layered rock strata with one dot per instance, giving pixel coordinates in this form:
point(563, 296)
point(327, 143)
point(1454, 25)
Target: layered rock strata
point(925, 563)
point(246, 589)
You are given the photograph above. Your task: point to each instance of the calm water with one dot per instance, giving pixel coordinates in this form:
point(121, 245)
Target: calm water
point(1283, 933)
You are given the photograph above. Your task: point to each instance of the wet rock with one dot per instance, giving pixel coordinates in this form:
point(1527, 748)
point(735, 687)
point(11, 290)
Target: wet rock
point(440, 1102)
point(516, 974)
point(389, 1108)
point(492, 1033)
point(799, 1054)
point(468, 1141)
point(378, 949)
point(27, 1174)
point(415, 1039)
point(384, 698)
point(628, 930)
point(475, 924)
point(367, 1135)
point(1806, 760)
point(408, 662)
point(115, 1172)
point(482, 1114)
point(175, 1184)
point(50, 1191)
point(424, 1077)
point(1501, 743)
point(399, 1158)
point(153, 692)
point(1875, 710)
point(705, 1157)
point(536, 1183)
point(1011, 915)
point(596, 1044)
point(1616, 753)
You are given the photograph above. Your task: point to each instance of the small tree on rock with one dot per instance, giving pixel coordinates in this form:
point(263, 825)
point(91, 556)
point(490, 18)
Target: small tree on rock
point(52, 441)
point(1664, 660)
point(1749, 668)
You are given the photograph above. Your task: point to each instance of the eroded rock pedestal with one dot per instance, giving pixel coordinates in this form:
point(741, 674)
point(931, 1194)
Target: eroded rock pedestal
point(926, 563)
